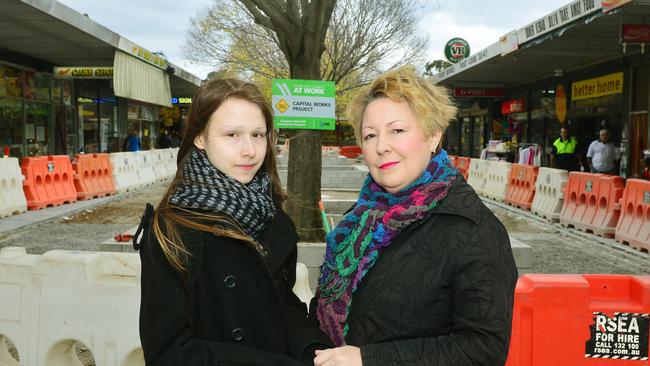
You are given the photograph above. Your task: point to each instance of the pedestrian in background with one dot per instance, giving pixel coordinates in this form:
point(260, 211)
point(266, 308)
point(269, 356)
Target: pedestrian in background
point(420, 272)
point(602, 154)
point(219, 253)
point(164, 141)
point(564, 153)
point(132, 142)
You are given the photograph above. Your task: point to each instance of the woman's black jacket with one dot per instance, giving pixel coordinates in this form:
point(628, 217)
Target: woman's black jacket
point(441, 293)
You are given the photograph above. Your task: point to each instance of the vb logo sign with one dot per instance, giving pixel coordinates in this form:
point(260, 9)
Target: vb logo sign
point(456, 50)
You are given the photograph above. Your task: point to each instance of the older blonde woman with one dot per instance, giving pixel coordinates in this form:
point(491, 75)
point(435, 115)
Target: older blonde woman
point(419, 272)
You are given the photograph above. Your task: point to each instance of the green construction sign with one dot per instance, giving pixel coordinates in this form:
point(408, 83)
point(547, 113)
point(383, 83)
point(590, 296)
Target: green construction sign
point(304, 104)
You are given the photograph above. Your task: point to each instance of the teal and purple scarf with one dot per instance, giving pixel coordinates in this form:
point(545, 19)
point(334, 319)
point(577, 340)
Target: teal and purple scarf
point(357, 241)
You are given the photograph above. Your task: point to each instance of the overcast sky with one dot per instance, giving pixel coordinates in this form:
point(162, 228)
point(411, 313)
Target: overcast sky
point(160, 25)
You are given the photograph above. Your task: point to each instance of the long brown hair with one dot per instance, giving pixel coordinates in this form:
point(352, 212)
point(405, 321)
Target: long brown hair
point(167, 218)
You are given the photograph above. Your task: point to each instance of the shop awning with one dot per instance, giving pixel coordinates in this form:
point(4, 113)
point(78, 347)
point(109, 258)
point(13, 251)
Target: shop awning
point(56, 35)
point(135, 79)
point(592, 38)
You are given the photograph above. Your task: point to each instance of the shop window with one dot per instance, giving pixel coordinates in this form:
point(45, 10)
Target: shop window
point(141, 121)
point(108, 124)
point(11, 120)
point(37, 86)
point(37, 117)
point(11, 81)
point(89, 119)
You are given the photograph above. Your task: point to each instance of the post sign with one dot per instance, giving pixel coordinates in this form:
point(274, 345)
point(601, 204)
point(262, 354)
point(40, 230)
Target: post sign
point(456, 49)
point(460, 92)
point(304, 104)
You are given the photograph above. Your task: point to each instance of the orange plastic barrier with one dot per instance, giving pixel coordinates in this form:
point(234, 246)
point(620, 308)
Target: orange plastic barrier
point(48, 181)
point(591, 203)
point(633, 226)
point(93, 176)
point(521, 187)
point(462, 164)
point(573, 320)
point(350, 151)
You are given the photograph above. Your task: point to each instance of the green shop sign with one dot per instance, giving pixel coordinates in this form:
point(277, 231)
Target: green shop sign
point(304, 104)
point(456, 49)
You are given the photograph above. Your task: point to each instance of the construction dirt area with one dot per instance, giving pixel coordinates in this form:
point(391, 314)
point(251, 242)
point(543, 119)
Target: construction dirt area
point(554, 249)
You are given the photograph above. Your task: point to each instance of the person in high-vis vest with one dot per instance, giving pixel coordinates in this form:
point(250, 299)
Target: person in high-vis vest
point(564, 154)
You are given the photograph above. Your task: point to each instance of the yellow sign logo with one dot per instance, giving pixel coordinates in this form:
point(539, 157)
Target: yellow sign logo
point(282, 105)
point(598, 87)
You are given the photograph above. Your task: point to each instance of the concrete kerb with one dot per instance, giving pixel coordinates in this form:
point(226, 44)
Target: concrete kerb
point(570, 232)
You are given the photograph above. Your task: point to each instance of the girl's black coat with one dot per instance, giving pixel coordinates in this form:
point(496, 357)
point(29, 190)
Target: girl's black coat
point(442, 292)
point(239, 307)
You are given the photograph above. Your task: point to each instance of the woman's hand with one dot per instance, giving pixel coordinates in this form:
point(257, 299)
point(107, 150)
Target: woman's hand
point(340, 356)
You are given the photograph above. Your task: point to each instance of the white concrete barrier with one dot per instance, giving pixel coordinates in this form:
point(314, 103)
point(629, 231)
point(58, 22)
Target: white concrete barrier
point(549, 193)
point(125, 171)
point(12, 196)
point(477, 174)
point(497, 178)
point(172, 155)
point(145, 163)
point(159, 159)
point(61, 298)
point(54, 301)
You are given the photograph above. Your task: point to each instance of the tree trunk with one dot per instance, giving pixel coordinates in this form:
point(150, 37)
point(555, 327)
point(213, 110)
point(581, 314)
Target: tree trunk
point(303, 184)
point(305, 164)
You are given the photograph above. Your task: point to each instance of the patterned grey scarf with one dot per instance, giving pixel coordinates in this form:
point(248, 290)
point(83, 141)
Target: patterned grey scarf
point(207, 188)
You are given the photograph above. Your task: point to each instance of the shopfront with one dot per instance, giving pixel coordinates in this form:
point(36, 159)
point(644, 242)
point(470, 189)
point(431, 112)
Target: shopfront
point(466, 136)
point(597, 102)
point(26, 110)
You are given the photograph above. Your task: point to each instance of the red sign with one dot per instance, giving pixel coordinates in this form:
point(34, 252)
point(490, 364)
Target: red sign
point(513, 106)
point(478, 92)
point(636, 33)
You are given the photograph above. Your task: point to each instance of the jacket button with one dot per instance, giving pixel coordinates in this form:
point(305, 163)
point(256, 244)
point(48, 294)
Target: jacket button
point(237, 334)
point(230, 282)
point(284, 275)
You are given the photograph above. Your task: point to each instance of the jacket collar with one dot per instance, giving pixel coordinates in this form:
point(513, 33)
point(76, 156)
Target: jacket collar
point(461, 200)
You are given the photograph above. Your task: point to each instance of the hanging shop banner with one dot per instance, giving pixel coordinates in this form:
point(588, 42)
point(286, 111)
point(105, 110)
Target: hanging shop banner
point(304, 104)
point(597, 87)
point(83, 72)
point(155, 59)
point(456, 49)
point(609, 5)
point(513, 106)
point(560, 103)
point(557, 19)
point(478, 92)
point(636, 33)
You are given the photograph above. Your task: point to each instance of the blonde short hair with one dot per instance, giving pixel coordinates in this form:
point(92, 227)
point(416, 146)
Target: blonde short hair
point(431, 104)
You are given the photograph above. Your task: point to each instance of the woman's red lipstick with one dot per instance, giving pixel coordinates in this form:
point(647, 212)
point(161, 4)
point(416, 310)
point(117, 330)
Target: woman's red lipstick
point(388, 165)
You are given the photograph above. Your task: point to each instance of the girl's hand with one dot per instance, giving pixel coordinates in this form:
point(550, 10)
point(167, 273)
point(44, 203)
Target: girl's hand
point(340, 356)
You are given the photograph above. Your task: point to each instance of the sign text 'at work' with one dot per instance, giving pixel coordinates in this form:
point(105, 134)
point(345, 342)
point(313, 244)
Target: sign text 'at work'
point(304, 104)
